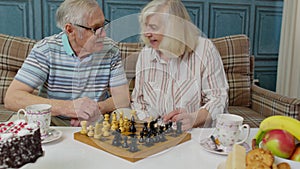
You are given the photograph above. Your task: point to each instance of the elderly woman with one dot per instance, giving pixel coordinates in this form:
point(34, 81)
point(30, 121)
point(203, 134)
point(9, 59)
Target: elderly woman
point(179, 74)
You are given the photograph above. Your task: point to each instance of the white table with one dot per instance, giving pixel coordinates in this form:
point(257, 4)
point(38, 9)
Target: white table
point(67, 153)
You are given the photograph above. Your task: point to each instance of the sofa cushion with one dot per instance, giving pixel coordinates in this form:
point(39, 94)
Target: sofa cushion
point(13, 51)
point(250, 116)
point(235, 53)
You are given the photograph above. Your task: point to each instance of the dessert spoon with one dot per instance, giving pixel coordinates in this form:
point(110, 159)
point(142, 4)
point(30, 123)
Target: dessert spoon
point(216, 146)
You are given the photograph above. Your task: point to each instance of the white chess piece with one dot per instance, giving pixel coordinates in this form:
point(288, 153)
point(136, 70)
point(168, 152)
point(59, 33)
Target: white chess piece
point(90, 131)
point(83, 127)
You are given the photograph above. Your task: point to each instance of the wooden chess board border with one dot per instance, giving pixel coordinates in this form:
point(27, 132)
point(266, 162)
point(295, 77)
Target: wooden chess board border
point(132, 156)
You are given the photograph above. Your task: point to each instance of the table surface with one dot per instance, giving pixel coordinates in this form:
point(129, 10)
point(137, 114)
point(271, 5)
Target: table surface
point(67, 153)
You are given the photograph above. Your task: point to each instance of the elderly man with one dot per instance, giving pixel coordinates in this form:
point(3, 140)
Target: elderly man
point(75, 71)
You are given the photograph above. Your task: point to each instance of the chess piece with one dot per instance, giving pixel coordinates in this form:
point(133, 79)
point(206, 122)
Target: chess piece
point(121, 115)
point(114, 122)
point(133, 113)
point(156, 138)
point(117, 138)
point(121, 126)
point(179, 127)
point(149, 140)
point(141, 140)
point(125, 144)
point(126, 124)
point(97, 133)
point(132, 128)
point(133, 145)
point(169, 127)
point(145, 128)
point(90, 131)
point(106, 120)
point(105, 128)
point(162, 137)
point(152, 127)
point(114, 116)
point(83, 127)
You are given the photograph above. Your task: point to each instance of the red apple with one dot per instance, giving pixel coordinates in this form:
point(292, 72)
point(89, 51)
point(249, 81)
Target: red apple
point(296, 154)
point(280, 142)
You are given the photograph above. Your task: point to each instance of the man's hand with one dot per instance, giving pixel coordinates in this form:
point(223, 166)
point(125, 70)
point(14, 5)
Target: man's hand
point(75, 122)
point(86, 109)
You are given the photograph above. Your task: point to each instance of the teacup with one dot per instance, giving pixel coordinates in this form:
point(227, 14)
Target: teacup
point(40, 114)
point(230, 128)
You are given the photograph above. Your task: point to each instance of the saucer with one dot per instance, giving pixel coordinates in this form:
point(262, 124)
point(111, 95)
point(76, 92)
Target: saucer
point(52, 136)
point(209, 146)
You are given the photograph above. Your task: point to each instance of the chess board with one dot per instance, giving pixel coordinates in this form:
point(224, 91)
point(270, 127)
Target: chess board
point(105, 144)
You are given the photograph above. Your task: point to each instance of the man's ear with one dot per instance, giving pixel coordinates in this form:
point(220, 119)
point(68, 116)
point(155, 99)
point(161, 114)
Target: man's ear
point(69, 29)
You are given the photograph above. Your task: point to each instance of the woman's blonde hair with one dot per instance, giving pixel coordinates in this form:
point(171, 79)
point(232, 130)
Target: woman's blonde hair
point(180, 35)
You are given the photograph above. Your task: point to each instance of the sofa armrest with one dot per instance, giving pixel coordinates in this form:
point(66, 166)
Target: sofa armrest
point(269, 103)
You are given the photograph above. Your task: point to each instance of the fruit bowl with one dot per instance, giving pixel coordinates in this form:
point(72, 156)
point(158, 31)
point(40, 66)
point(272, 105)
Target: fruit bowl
point(293, 164)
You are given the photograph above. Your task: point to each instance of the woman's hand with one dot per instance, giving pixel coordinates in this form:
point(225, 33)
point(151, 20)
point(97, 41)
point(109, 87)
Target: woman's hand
point(200, 118)
point(188, 119)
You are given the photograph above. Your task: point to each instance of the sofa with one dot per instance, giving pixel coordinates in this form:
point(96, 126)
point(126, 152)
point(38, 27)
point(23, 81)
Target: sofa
point(245, 97)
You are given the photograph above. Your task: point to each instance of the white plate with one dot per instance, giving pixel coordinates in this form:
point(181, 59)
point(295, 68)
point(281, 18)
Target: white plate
point(293, 164)
point(209, 146)
point(222, 165)
point(54, 135)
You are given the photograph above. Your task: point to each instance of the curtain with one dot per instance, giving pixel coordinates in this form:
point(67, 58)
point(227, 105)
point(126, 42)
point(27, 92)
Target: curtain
point(288, 71)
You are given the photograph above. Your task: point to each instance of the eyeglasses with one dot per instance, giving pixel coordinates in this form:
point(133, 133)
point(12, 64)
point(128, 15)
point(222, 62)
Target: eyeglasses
point(94, 30)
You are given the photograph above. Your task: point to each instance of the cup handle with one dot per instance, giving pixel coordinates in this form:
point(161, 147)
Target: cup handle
point(19, 111)
point(247, 127)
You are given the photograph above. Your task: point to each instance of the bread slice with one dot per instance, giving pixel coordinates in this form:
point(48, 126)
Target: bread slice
point(229, 161)
point(237, 158)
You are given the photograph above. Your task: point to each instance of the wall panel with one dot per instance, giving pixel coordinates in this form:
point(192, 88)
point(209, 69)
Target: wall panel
point(259, 19)
point(17, 17)
point(228, 19)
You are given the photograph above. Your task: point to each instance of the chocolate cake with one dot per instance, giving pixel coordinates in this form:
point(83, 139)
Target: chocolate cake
point(20, 143)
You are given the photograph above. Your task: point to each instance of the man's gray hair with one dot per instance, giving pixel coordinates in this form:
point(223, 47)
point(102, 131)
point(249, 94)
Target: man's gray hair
point(74, 11)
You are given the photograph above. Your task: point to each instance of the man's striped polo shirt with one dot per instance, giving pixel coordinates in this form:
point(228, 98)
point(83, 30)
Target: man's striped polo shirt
point(60, 74)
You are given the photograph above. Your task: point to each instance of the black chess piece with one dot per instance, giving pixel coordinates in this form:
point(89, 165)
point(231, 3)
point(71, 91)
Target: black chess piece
point(178, 127)
point(161, 129)
point(142, 137)
point(117, 138)
point(125, 144)
point(156, 138)
point(145, 128)
point(149, 140)
point(132, 128)
point(162, 137)
point(133, 145)
point(152, 127)
point(169, 127)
